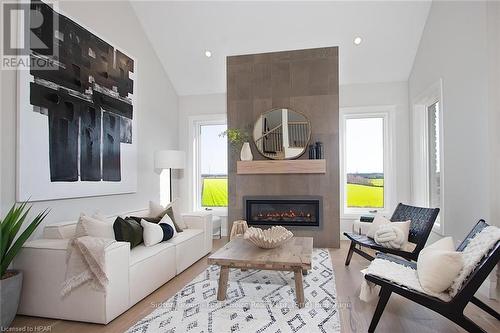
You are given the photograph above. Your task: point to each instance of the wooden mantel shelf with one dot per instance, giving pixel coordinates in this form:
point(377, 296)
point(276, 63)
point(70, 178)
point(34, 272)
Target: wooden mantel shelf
point(280, 167)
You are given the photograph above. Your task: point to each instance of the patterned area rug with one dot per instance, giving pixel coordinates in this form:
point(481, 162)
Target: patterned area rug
point(257, 301)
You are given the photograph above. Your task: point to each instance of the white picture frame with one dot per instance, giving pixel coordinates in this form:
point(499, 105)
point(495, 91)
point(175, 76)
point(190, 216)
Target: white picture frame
point(33, 181)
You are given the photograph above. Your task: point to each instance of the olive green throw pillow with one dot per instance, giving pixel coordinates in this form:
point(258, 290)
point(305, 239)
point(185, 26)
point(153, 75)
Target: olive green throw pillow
point(170, 212)
point(128, 230)
point(148, 219)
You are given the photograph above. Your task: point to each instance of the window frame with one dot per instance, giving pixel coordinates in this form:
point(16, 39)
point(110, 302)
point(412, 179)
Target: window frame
point(194, 160)
point(420, 150)
point(386, 112)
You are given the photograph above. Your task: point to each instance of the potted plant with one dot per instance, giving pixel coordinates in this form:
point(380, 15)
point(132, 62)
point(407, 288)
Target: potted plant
point(11, 280)
point(239, 137)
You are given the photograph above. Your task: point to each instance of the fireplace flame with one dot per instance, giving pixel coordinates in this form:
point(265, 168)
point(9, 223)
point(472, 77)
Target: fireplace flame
point(290, 214)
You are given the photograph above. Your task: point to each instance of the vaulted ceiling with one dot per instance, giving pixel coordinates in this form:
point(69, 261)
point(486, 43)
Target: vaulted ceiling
point(181, 32)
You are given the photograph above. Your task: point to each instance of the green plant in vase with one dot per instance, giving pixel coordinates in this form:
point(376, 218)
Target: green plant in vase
point(11, 281)
point(238, 139)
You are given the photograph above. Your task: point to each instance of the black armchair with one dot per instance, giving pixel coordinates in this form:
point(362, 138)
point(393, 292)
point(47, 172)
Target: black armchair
point(453, 310)
point(422, 220)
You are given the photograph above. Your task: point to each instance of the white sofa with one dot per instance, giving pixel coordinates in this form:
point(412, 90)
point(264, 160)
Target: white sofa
point(133, 274)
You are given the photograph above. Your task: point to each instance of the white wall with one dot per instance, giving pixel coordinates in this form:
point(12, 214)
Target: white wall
point(156, 113)
point(454, 47)
point(393, 93)
point(494, 105)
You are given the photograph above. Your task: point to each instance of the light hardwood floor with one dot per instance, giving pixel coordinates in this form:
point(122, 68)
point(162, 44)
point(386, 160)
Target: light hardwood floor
point(400, 315)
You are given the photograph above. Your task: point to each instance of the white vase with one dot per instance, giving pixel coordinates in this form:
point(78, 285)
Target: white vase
point(246, 152)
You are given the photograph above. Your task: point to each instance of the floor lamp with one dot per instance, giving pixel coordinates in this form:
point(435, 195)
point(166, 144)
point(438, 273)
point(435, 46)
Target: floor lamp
point(168, 159)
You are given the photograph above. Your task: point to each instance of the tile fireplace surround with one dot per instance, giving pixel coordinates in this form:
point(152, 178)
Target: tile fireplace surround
point(305, 81)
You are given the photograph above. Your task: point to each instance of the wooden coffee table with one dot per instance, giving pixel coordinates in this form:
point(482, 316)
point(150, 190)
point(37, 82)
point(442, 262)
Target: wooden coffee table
point(294, 255)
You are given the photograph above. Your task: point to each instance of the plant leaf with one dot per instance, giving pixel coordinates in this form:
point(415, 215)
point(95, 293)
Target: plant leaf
point(14, 249)
point(6, 227)
point(16, 226)
point(8, 224)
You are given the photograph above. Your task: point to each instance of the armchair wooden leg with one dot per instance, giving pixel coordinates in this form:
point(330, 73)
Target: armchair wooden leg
point(382, 302)
point(483, 306)
point(349, 254)
point(468, 325)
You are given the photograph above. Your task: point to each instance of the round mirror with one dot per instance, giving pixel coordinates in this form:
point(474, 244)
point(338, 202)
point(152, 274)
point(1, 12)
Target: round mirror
point(282, 134)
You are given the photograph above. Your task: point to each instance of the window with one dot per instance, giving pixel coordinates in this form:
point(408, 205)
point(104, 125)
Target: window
point(365, 160)
point(434, 154)
point(210, 157)
point(427, 145)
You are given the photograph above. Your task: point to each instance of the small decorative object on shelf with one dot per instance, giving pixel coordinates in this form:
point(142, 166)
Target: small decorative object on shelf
point(246, 152)
point(312, 152)
point(319, 150)
point(239, 138)
point(238, 229)
point(269, 238)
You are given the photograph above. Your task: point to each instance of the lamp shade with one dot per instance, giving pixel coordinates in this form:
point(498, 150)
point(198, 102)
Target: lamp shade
point(170, 159)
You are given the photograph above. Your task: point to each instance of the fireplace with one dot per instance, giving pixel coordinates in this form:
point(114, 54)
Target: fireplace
point(283, 210)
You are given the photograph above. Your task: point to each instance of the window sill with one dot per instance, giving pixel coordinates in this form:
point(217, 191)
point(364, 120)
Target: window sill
point(222, 212)
point(355, 215)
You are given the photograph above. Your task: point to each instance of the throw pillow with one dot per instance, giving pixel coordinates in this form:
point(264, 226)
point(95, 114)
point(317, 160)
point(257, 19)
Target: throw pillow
point(380, 220)
point(149, 219)
point(170, 213)
point(156, 210)
point(166, 219)
point(168, 231)
point(152, 233)
point(178, 220)
point(392, 235)
point(377, 222)
point(89, 226)
point(128, 230)
point(438, 265)
point(156, 233)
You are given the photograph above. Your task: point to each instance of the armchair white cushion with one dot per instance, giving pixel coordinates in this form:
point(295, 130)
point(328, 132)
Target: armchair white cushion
point(438, 265)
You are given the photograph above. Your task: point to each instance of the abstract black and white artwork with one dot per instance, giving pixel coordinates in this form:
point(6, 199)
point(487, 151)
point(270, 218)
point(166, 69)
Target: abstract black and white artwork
point(77, 133)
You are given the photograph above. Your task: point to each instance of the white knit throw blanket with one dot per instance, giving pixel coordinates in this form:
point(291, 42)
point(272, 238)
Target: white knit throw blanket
point(390, 236)
point(478, 247)
point(85, 263)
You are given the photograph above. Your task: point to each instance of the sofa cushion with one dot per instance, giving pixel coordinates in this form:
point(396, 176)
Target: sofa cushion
point(151, 268)
point(50, 244)
point(142, 252)
point(60, 231)
point(185, 236)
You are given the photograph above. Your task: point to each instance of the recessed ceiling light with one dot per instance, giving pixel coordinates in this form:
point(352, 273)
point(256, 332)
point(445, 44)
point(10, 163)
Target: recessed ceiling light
point(208, 54)
point(357, 40)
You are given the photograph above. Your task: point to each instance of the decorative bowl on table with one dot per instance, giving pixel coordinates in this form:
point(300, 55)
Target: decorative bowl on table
point(268, 238)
